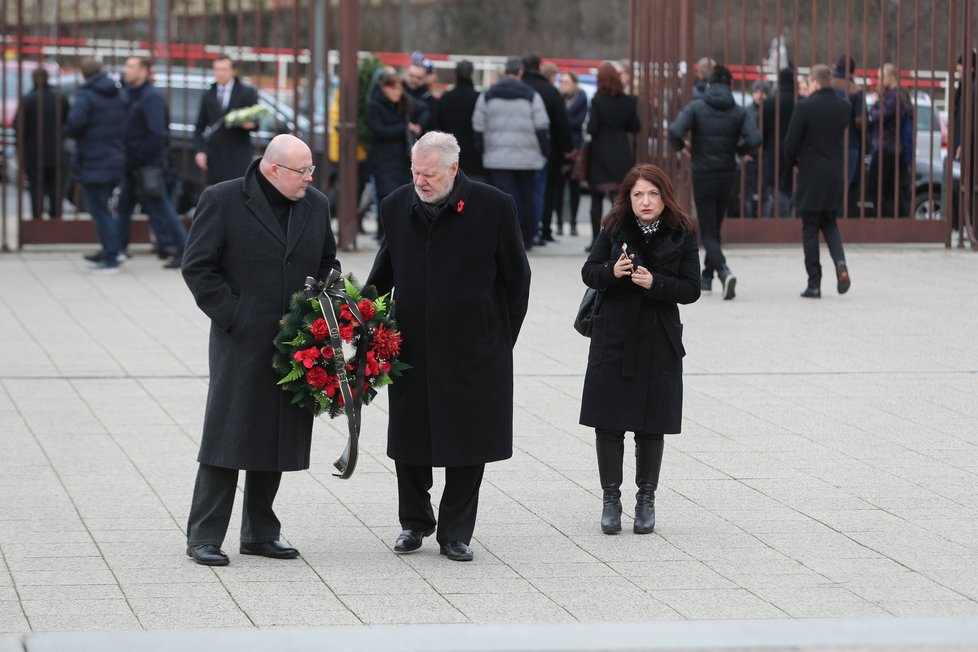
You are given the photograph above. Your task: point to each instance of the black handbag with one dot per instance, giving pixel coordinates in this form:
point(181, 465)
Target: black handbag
point(589, 307)
point(150, 182)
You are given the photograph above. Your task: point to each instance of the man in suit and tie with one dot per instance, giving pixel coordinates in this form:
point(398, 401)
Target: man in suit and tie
point(224, 152)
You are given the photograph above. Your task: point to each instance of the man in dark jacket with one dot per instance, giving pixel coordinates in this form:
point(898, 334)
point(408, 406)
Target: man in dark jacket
point(425, 103)
point(455, 110)
point(38, 144)
point(720, 130)
point(96, 121)
point(549, 179)
point(816, 143)
point(145, 141)
point(224, 152)
point(447, 237)
point(252, 244)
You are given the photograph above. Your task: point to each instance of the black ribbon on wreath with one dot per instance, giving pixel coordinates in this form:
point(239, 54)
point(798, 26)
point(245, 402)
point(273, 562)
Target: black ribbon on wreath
point(325, 291)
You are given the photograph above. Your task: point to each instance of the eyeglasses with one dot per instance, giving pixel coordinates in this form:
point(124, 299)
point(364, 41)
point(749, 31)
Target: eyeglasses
point(301, 171)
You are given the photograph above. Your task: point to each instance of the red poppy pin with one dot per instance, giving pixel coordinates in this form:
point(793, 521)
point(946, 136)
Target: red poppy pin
point(459, 206)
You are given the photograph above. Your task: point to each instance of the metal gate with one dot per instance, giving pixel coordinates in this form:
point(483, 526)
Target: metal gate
point(925, 40)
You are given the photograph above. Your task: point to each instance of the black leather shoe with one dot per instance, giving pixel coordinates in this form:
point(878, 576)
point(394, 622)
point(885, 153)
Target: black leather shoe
point(208, 555)
point(410, 540)
point(271, 549)
point(93, 258)
point(812, 293)
point(842, 277)
point(457, 551)
point(174, 263)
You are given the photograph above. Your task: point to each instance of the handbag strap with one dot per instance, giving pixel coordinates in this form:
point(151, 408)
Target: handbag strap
point(325, 291)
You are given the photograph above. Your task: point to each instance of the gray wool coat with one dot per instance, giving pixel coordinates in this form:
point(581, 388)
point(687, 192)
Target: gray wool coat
point(242, 271)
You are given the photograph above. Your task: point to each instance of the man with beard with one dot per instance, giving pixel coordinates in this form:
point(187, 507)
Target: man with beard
point(453, 256)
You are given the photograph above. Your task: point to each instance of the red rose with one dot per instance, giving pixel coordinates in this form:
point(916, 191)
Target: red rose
point(319, 328)
point(346, 332)
point(307, 356)
point(387, 344)
point(345, 313)
point(385, 367)
point(367, 309)
point(327, 352)
point(317, 377)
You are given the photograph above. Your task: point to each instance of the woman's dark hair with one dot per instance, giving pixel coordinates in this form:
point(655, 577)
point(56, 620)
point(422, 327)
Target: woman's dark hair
point(609, 82)
point(673, 217)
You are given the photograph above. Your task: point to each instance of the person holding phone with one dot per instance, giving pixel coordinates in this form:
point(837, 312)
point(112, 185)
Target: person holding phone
point(646, 261)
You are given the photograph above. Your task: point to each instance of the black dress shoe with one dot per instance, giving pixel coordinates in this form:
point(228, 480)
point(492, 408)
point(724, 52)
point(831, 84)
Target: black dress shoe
point(271, 549)
point(207, 555)
point(457, 551)
point(174, 263)
point(410, 540)
point(94, 258)
point(842, 277)
point(812, 293)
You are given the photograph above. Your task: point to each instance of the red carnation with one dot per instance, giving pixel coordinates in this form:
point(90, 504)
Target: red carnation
point(345, 313)
point(332, 384)
point(327, 352)
point(387, 344)
point(346, 332)
point(385, 367)
point(367, 309)
point(307, 356)
point(317, 377)
point(372, 369)
point(319, 328)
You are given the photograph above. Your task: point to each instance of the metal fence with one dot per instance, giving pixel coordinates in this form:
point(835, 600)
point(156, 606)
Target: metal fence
point(930, 196)
point(284, 48)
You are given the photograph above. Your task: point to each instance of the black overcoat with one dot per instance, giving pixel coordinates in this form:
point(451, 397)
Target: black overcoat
point(389, 153)
point(228, 149)
point(611, 154)
point(816, 143)
point(634, 375)
point(242, 271)
point(461, 287)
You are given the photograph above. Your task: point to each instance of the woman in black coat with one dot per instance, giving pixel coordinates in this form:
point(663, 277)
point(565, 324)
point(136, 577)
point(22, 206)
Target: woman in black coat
point(645, 259)
point(392, 133)
point(613, 117)
point(575, 103)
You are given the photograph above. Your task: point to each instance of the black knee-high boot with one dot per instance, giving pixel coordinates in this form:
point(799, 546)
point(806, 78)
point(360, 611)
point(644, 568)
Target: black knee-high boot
point(611, 450)
point(648, 461)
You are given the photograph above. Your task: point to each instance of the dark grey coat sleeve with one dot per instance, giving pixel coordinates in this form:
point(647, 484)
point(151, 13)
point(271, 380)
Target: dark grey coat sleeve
point(202, 263)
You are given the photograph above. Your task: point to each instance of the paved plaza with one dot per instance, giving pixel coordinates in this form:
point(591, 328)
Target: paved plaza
point(828, 465)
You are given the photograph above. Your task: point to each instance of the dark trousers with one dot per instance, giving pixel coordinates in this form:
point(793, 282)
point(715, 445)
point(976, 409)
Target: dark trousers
point(163, 218)
point(97, 202)
point(210, 509)
point(457, 509)
point(712, 196)
point(43, 186)
point(574, 188)
point(888, 162)
point(597, 210)
point(520, 185)
point(552, 199)
point(811, 224)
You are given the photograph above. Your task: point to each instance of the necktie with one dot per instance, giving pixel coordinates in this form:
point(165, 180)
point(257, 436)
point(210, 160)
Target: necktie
point(224, 97)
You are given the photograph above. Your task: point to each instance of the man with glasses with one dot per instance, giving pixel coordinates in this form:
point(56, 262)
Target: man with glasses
point(253, 242)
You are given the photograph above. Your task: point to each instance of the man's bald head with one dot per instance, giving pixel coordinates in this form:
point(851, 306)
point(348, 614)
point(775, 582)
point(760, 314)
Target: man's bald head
point(287, 164)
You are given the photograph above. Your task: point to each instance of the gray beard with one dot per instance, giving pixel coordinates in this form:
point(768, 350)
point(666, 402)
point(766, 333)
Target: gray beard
point(433, 201)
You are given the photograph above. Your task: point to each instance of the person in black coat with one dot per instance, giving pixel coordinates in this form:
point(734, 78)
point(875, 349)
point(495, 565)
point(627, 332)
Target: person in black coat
point(645, 262)
point(453, 256)
point(391, 119)
point(777, 115)
point(720, 130)
point(613, 118)
point(575, 105)
point(253, 242)
point(96, 121)
point(550, 178)
point(454, 116)
point(224, 152)
point(39, 144)
point(816, 143)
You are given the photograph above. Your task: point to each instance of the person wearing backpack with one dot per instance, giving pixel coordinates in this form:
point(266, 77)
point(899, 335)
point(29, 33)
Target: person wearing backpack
point(891, 122)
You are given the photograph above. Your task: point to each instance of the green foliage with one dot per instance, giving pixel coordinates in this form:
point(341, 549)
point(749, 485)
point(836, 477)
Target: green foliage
point(380, 303)
point(365, 85)
point(296, 373)
point(351, 290)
